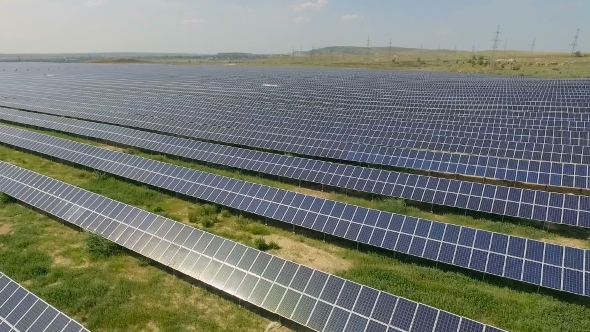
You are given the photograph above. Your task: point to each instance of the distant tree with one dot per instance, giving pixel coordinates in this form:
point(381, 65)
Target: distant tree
point(419, 60)
point(578, 54)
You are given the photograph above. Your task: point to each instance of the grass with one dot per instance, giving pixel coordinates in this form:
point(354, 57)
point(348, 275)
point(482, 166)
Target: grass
point(60, 269)
point(513, 63)
point(98, 246)
point(558, 235)
point(108, 292)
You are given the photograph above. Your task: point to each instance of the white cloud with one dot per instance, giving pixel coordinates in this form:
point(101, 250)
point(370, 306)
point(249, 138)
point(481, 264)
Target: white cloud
point(93, 3)
point(301, 20)
point(317, 5)
point(191, 21)
point(350, 17)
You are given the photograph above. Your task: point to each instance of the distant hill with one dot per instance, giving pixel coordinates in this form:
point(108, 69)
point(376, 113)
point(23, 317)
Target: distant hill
point(358, 50)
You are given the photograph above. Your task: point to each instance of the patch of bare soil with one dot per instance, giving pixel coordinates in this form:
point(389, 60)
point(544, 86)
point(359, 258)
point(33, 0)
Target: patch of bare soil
point(576, 243)
point(305, 254)
point(5, 229)
point(113, 148)
point(312, 192)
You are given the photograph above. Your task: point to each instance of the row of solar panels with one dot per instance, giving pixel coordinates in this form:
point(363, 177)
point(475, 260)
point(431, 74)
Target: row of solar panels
point(319, 131)
point(523, 203)
point(21, 310)
point(317, 300)
point(520, 170)
point(511, 169)
point(356, 89)
point(359, 131)
point(423, 97)
point(300, 144)
point(227, 112)
point(548, 265)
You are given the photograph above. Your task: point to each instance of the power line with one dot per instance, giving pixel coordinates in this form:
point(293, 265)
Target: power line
point(495, 46)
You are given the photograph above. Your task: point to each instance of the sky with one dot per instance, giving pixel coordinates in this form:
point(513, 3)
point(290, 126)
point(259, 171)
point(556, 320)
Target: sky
point(267, 26)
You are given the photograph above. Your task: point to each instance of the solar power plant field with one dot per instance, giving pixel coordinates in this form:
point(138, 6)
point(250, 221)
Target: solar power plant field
point(495, 172)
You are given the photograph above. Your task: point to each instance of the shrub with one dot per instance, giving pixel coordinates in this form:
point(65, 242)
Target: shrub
point(258, 229)
point(205, 210)
point(102, 176)
point(5, 199)
point(480, 61)
point(516, 68)
point(158, 209)
point(578, 54)
point(393, 205)
point(225, 213)
point(100, 247)
point(208, 222)
point(262, 245)
point(419, 60)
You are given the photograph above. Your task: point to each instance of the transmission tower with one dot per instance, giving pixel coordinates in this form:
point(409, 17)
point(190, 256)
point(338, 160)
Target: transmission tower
point(420, 48)
point(456, 59)
point(533, 45)
point(505, 44)
point(368, 46)
point(293, 55)
point(390, 48)
point(331, 57)
point(473, 49)
point(495, 46)
point(311, 52)
point(573, 45)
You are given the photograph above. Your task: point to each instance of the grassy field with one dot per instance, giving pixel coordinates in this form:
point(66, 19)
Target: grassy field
point(515, 63)
point(123, 293)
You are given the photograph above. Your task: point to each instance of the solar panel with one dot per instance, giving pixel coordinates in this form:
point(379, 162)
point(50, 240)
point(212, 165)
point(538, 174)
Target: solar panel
point(341, 116)
point(288, 289)
point(560, 174)
point(21, 310)
point(500, 200)
point(450, 244)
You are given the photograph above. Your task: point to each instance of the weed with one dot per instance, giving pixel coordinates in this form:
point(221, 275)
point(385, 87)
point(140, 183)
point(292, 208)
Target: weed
point(100, 247)
point(208, 221)
point(262, 245)
point(5, 199)
point(193, 217)
point(258, 229)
